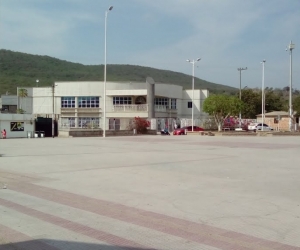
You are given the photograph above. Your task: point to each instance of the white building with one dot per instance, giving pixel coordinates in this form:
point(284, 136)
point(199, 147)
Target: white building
point(9, 103)
point(80, 104)
point(17, 125)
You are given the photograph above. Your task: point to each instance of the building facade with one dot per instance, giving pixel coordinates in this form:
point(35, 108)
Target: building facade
point(279, 120)
point(81, 104)
point(9, 103)
point(17, 125)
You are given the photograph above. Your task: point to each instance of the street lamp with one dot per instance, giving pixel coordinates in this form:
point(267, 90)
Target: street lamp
point(263, 95)
point(37, 82)
point(193, 83)
point(291, 47)
point(53, 105)
point(240, 70)
point(104, 85)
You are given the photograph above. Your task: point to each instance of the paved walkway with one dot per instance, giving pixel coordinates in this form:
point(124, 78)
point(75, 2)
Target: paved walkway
point(150, 192)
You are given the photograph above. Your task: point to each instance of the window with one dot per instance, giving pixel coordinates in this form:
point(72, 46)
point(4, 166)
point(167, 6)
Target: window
point(173, 103)
point(190, 105)
point(68, 102)
point(88, 122)
point(88, 102)
point(162, 102)
point(114, 124)
point(67, 122)
point(122, 100)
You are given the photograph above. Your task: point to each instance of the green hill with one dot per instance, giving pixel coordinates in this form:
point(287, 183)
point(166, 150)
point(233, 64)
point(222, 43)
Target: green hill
point(22, 70)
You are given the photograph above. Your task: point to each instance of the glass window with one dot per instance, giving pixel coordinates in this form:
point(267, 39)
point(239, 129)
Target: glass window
point(162, 102)
point(68, 102)
point(173, 103)
point(88, 122)
point(67, 122)
point(122, 100)
point(190, 105)
point(88, 102)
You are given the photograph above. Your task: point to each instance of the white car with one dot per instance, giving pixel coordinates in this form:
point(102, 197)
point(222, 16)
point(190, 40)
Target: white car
point(259, 127)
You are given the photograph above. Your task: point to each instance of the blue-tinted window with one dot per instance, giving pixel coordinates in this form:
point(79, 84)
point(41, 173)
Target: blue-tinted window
point(68, 102)
point(122, 100)
point(88, 102)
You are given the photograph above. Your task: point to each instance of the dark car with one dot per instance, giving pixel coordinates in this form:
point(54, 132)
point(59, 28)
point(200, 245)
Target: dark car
point(181, 131)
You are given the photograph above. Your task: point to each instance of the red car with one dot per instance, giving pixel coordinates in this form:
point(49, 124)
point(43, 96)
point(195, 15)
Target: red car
point(181, 131)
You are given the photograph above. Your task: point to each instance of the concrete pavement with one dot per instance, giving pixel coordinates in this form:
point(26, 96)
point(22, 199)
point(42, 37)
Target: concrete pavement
point(150, 192)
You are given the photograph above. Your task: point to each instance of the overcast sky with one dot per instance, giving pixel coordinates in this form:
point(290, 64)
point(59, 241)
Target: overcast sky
point(225, 34)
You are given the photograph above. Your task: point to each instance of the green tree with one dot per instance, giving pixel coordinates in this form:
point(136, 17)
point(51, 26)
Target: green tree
point(221, 107)
point(252, 103)
point(20, 111)
point(296, 105)
point(273, 101)
point(21, 94)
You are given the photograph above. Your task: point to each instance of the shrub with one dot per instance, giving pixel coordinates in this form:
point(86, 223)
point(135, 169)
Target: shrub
point(141, 125)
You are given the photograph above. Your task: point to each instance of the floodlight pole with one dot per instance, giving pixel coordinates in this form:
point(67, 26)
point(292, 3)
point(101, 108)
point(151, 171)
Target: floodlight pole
point(291, 47)
point(263, 95)
point(53, 111)
point(104, 84)
point(240, 70)
point(193, 87)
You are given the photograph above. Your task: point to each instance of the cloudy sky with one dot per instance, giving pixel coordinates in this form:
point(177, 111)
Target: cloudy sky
point(225, 34)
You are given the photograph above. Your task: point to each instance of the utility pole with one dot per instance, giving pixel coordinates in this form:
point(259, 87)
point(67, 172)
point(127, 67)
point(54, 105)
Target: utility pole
point(290, 48)
point(263, 95)
point(240, 70)
point(53, 111)
point(193, 87)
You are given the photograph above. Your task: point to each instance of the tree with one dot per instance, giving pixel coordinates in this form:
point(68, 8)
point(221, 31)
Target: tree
point(20, 111)
point(252, 103)
point(296, 105)
point(21, 94)
point(273, 101)
point(221, 107)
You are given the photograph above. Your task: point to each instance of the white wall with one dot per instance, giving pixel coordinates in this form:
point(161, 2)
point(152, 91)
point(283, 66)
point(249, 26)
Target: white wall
point(187, 96)
point(168, 90)
point(9, 99)
point(5, 122)
point(40, 100)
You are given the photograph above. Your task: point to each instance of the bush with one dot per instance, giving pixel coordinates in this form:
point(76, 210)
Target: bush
point(141, 125)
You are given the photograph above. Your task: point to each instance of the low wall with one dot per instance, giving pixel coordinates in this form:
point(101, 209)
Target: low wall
point(259, 133)
point(98, 133)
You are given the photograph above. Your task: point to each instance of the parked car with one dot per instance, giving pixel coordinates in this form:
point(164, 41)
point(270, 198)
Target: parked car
point(258, 127)
point(181, 131)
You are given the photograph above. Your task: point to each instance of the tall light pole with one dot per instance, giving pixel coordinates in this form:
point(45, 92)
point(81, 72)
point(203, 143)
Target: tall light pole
point(53, 105)
point(104, 84)
point(291, 47)
point(193, 87)
point(240, 70)
point(263, 95)
point(37, 82)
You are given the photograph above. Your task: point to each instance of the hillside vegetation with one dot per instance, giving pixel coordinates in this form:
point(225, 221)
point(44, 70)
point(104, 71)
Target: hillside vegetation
point(22, 70)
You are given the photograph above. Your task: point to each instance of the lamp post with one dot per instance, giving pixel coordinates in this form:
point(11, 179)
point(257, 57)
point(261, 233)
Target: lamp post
point(291, 47)
point(240, 70)
point(37, 82)
point(263, 95)
point(104, 84)
point(193, 86)
point(53, 111)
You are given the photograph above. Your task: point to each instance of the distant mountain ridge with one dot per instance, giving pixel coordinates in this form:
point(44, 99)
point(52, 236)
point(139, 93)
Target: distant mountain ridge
point(22, 70)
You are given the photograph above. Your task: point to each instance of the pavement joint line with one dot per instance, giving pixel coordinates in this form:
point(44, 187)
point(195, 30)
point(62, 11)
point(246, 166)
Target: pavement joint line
point(203, 234)
point(72, 226)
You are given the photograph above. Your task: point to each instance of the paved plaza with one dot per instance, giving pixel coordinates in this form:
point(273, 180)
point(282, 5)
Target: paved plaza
point(150, 192)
